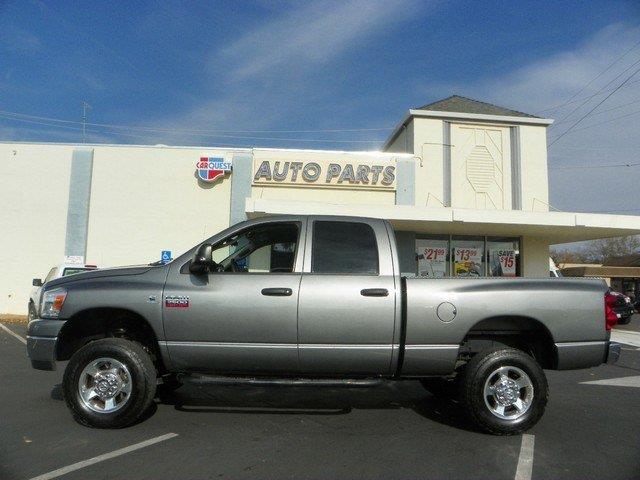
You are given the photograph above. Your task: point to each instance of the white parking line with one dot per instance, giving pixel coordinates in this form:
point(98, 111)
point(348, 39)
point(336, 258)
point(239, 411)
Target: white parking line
point(525, 460)
point(101, 458)
point(627, 337)
point(633, 382)
point(11, 332)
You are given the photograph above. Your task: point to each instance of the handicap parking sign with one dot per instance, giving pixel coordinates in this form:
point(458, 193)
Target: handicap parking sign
point(166, 256)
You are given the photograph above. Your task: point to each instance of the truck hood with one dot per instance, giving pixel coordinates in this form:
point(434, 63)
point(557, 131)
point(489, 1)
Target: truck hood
point(100, 273)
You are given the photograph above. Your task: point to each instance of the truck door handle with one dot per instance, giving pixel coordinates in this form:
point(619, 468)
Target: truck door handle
point(277, 292)
point(374, 292)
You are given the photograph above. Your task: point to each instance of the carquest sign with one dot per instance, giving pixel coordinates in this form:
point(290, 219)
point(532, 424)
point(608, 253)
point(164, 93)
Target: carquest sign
point(210, 168)
point(322, 173)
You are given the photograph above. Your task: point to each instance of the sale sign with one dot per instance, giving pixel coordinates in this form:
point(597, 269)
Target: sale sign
point(503, 263)
point(432, 258)
point(468, 261)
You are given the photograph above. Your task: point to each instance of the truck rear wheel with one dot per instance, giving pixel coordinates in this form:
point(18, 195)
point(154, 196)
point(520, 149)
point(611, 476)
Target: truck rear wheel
point(504, 391)
point(109, 383)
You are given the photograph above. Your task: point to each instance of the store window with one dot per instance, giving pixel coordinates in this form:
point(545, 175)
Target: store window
point(468, 256)
point(440, 256)
point(432, 257)
point(503, 257)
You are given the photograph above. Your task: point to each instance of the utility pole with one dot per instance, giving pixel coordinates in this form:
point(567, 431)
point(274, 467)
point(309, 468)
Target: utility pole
point(85, 107)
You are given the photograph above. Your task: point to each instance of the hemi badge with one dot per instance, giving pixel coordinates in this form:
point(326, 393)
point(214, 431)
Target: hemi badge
point(176, 301)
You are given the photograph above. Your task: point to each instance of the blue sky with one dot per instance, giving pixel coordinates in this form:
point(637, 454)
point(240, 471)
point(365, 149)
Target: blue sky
point(254, 71)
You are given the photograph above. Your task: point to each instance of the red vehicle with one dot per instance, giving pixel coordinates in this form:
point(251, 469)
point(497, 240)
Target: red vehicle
point(622, 306)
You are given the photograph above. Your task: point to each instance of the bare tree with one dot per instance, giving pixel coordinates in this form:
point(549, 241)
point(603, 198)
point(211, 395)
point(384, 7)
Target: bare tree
point(566, 255)
point(598, 251)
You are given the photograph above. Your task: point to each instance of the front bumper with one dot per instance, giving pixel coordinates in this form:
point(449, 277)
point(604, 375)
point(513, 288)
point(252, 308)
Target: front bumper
point(613, 353)
point(42, 336)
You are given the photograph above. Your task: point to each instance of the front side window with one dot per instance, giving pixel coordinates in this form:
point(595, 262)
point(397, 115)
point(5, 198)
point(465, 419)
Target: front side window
point(267, 248)
point(344, 248)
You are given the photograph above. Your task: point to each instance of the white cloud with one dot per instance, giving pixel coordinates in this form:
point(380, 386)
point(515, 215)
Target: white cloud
point(19, 41)
point(272, 69)
point(313, 34)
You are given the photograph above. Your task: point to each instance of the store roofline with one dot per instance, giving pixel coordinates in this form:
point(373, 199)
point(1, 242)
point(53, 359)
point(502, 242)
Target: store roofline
point(556, 227)
point(213, 147)
point(474, 117)
point(601, 271)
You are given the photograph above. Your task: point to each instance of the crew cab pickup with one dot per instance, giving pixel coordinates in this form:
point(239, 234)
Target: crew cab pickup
point(317, 300)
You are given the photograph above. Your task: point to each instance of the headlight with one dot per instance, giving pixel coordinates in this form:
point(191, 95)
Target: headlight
point(52, 302)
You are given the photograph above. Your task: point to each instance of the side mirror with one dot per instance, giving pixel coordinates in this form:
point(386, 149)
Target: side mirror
point(36, 282)
point(202, 261)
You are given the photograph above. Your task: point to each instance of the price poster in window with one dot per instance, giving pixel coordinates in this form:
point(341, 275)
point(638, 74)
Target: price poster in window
point(503, 263)
point(432, 258)
point(468, 261)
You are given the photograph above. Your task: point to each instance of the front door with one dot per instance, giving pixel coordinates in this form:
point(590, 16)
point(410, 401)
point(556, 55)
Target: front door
point(241, 318)
point(346, 316)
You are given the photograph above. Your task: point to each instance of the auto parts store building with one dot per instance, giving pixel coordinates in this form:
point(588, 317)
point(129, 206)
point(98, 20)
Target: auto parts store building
point(463, 182)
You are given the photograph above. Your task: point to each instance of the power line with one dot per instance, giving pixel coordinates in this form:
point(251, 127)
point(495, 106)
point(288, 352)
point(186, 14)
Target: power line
point(612, 211)
point(596, 106)
point(600, 90)
point(595, 78)
point(612, 165)
point(580, 99)
point(617, 147)
point(618, 107)
point(607, 121)
point(39, 122)
point(174, 130)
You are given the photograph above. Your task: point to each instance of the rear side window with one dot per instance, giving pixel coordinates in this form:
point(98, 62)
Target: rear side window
point(344, 248)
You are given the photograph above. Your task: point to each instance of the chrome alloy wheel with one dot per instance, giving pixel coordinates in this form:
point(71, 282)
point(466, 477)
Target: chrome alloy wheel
point(105, 385)
point(508, 393)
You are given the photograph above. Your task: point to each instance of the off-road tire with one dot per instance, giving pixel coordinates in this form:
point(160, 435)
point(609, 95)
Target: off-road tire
point(143, 380)
point(472, 390)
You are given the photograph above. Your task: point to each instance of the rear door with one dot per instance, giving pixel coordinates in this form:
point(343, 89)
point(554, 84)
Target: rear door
point(346, 312)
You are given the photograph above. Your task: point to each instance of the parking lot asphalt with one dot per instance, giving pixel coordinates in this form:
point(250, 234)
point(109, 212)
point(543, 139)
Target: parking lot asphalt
point(397, 430)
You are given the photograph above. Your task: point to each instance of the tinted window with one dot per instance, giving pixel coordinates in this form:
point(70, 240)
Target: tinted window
point(73, 271)
point(344, 247)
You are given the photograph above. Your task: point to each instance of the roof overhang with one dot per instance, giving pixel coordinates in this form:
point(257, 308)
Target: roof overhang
point(554, 227)
point(470, 117)
point(601, 271)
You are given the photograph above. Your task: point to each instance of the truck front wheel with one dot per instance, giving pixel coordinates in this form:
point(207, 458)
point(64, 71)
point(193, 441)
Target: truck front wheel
point(504, 391)
point(109, 383)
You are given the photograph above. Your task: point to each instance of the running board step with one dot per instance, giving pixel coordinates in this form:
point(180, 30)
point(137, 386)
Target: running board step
point(198, 379)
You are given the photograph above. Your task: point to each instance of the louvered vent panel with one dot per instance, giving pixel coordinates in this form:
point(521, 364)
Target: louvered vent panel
point(480, 168)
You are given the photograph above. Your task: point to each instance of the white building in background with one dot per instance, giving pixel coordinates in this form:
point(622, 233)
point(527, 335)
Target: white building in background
point(464, 183)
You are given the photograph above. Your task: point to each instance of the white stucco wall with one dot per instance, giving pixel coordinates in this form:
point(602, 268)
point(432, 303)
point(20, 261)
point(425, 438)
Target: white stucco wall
point(428, 147)
point(534, 172)
point(145, 200)
point(34, 186)
point(535, 256)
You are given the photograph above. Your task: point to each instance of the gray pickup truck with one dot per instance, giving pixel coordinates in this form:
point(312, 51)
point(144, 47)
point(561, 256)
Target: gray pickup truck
point(314, 300)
